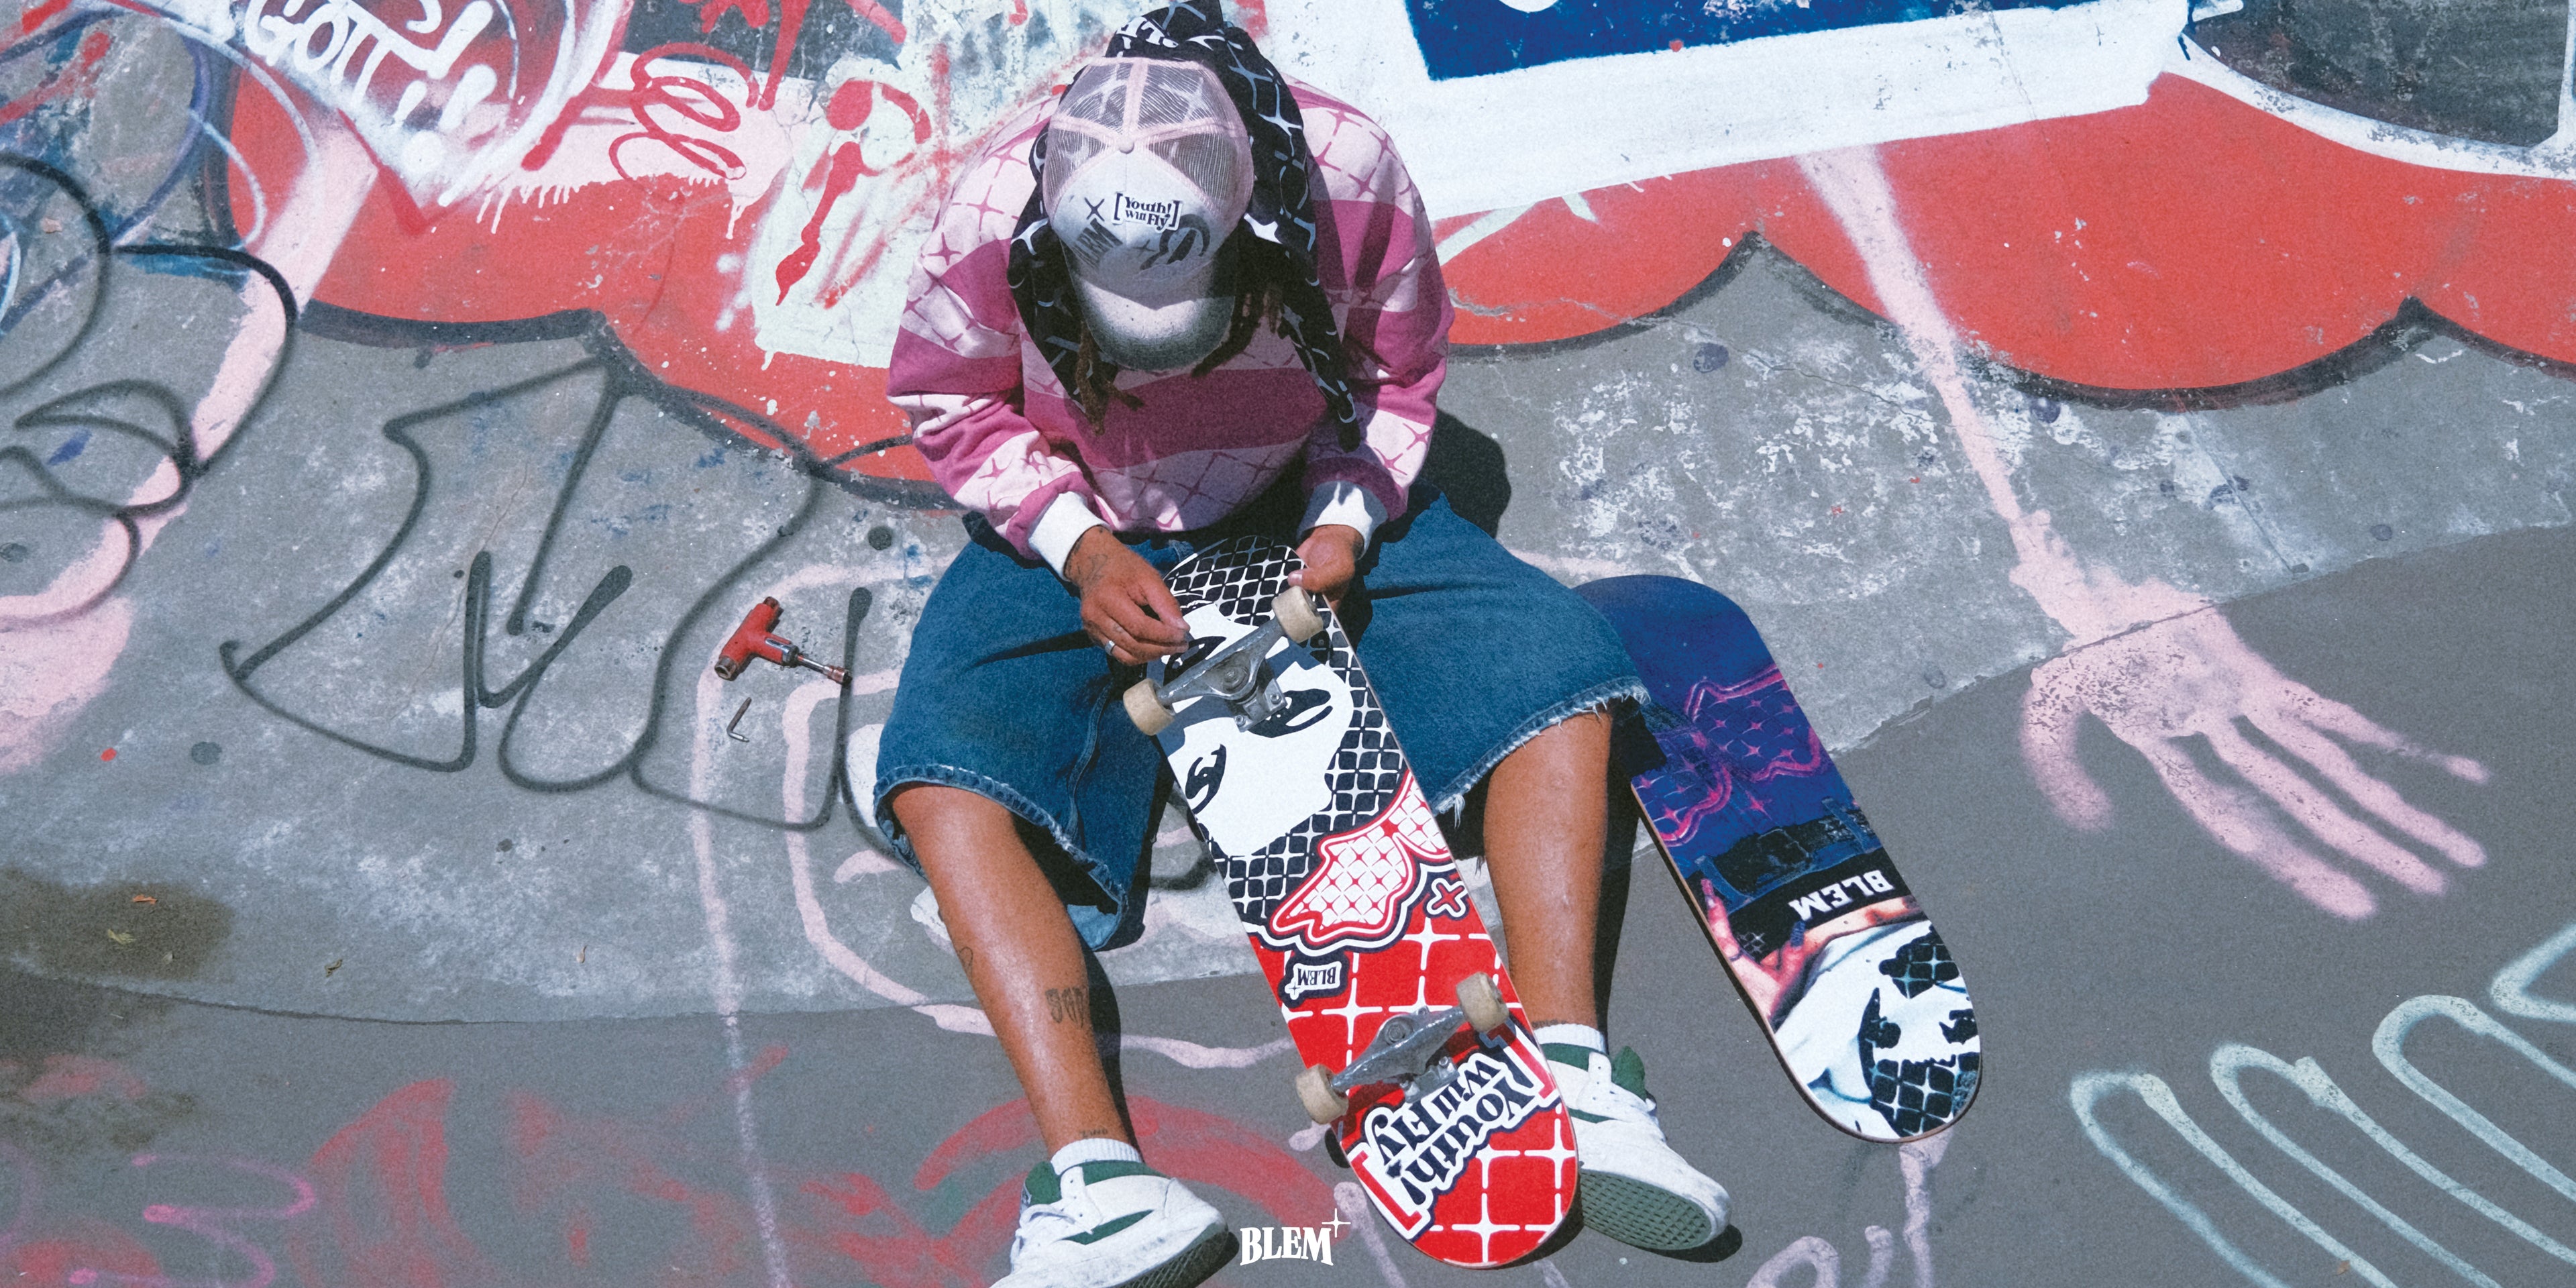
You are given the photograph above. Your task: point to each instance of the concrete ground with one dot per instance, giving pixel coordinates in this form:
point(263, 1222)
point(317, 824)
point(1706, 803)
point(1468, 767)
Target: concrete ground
point(324, 971)
point(218, 1142)
point(389, 896)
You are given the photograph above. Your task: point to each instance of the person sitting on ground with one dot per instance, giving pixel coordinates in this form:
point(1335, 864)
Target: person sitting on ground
point(1184, 301)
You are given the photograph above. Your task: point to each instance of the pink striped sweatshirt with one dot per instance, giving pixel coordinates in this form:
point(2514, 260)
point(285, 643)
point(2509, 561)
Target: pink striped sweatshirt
point(1003, 436)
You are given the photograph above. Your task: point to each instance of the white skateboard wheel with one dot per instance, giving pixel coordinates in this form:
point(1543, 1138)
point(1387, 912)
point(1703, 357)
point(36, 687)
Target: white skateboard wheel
point(1315, 1090)
point(1483, 1002)
point(1146, 708)
point(1296, 612)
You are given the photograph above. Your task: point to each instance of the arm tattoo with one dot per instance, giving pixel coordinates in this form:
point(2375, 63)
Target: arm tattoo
point(1069, 1005)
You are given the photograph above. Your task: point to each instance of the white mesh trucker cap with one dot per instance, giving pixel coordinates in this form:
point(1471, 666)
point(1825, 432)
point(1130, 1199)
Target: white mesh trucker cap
point(1148, 169)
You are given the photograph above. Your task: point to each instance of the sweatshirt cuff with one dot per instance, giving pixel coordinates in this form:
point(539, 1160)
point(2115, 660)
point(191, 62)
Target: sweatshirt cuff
point(1346, 503)
point(1066, 518)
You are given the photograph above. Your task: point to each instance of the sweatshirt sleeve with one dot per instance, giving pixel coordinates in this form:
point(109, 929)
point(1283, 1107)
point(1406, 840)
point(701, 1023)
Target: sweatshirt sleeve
point(1394, 319)
point(956, 368)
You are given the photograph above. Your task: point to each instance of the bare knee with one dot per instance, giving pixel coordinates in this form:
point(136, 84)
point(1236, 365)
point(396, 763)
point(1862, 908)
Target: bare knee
point(931, 805)
point(946, 823)
point(1578, 743)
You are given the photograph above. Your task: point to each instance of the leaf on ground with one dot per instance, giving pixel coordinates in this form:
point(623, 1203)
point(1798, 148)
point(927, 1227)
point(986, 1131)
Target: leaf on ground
point(120, 937)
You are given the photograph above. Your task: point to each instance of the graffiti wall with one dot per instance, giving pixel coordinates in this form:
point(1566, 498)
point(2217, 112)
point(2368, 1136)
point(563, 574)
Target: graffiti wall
point(401, 401)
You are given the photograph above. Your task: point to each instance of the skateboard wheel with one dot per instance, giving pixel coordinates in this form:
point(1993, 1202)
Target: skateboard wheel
point(1297, 616)
point(1483, 1003)
point(1146, 708)
point(1315, 1090)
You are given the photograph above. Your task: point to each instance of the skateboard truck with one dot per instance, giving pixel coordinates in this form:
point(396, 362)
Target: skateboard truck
point(1238, 675)
point(753, 638)
point(1409, 1051)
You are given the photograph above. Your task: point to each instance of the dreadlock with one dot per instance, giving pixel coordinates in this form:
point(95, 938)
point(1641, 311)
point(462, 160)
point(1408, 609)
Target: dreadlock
point(1281, 287)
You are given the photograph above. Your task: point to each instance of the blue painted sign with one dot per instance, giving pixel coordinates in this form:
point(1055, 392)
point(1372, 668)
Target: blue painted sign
point(1481, 37)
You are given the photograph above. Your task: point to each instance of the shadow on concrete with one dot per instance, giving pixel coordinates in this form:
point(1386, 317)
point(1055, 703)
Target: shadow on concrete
point(1728, 1242)
point(1467, 465)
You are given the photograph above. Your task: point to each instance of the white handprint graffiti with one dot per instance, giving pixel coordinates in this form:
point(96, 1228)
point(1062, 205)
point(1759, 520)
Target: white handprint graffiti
point(2157, 665)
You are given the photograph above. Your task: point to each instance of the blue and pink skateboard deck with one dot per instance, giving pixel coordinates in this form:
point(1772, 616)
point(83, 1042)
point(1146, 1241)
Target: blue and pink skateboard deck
point(1832, 951)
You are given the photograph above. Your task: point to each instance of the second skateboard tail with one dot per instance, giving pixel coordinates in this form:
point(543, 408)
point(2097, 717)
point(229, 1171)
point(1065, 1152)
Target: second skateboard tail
point(1860, 997)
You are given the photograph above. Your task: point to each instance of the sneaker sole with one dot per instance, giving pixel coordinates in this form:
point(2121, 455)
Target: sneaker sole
point(1206, 1255)
point(1641, 1215)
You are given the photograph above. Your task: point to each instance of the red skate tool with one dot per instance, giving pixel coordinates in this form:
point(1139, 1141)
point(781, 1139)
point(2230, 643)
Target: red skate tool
point(754, 639)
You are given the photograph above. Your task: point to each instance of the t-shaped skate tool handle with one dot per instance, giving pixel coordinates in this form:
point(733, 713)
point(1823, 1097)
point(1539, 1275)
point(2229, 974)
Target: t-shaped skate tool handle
point(753, 639)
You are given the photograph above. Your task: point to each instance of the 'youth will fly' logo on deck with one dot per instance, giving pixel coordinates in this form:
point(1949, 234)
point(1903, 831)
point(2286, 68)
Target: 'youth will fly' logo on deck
point(1411, 1154)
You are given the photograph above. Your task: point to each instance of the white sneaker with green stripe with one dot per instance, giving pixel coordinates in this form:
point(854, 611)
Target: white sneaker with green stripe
point(1634, 1188)
point(1114, 1225)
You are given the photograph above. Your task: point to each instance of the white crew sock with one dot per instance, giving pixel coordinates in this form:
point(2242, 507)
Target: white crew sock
point(1582, 1035)
point(1096, 1149)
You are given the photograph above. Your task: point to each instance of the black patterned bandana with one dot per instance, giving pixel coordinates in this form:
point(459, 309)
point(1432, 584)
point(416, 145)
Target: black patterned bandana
point(1281, 212)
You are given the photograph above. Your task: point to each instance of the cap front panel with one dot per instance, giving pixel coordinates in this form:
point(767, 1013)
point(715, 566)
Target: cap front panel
point(1147, 170)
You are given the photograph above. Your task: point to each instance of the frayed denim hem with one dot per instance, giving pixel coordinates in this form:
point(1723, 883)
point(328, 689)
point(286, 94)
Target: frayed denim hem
point(1000, 793)
point(1627, 688)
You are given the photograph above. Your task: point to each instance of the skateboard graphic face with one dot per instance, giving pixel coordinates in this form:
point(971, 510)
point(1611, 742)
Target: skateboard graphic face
point(1863, 1001)
point(1363, 926)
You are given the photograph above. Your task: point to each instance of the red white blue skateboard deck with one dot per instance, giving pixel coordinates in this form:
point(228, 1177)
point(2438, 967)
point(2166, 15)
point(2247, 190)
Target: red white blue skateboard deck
point(1356, 909)
point(1860, 997)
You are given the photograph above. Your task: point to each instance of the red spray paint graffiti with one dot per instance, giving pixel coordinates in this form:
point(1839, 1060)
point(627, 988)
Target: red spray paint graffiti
point(382, 1215)
point(2192, 242)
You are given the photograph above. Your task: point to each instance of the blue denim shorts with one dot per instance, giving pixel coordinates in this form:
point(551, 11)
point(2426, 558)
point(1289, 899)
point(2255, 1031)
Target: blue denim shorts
point(1471, 651)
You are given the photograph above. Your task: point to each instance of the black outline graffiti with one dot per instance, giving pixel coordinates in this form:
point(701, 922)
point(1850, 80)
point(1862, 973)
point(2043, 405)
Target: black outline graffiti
point(728, 423)
point(624, 379)
point(720, 420)
point(179, 447)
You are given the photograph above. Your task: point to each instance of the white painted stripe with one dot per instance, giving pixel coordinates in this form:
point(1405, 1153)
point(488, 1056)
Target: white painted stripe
point(1486, 225)
point(1191, 1055)
point(2089, 1089)
point(1916, 1159)
point(2511, 990)
point(1882, 1257)
point(1512, 138)
point(2511, 987)
point(2389, 1044)
point(2363, 134)
point(727, 981)
point(2227, 1068)
point(1355, 1206)
point(1819, 1258)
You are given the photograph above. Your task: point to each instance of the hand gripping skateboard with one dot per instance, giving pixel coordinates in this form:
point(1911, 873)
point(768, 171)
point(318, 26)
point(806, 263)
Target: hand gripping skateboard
point(1854, 987)
point(1417, 1051)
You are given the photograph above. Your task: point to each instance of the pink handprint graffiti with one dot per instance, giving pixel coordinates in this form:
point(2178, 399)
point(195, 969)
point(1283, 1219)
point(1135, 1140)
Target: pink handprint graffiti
point(2157, 665)
point(2191, 676)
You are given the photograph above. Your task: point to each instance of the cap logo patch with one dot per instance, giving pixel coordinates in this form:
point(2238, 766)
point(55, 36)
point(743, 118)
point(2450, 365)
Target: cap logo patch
point(1177, 246)
point(1158, 214)
point(1096, 240)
